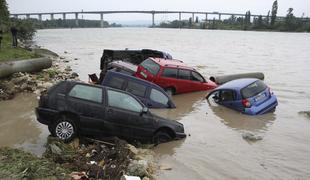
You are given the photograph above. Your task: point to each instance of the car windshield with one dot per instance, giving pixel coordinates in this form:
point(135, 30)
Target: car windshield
point(253, 89)
point(150, 66)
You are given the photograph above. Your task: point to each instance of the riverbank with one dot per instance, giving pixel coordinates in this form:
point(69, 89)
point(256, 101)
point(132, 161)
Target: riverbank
point(8, 53)
point(37, 82)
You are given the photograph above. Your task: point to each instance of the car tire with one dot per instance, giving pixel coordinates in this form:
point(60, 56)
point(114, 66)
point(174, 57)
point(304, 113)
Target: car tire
point(65, 129)
point(169, 91)
point(161, 137)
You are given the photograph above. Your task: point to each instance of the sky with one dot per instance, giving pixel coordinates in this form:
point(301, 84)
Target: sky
point(259, 7)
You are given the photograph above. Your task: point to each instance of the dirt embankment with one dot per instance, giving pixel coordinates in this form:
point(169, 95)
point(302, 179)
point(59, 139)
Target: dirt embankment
point(37, 81)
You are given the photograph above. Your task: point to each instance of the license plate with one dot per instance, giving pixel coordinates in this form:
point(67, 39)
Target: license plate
point(143, 74)
point(260, 97)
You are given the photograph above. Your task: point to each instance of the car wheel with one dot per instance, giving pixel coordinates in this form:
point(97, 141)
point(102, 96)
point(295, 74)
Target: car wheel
point(161, 137)
point(64, 129)
point(169, 91)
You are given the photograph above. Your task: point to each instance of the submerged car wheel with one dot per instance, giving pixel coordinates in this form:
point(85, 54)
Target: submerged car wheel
point(64, 129)
point(161, 137)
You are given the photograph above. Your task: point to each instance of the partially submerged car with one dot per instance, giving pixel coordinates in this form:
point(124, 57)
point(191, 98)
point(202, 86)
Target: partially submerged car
point(123, 67)
point(132, 56)
point(149, 93)
point(248, 95)
point(70, 108)
point(174, 76)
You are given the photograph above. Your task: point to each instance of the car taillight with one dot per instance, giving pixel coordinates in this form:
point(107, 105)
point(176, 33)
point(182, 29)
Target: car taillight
point(246, 103)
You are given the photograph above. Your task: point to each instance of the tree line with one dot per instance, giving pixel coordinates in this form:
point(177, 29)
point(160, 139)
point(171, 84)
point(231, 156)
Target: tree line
point(269, 22)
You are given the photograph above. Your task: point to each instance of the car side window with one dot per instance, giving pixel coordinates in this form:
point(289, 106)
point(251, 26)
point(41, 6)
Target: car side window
point(136, 89)
point(197, 77)
point(150, 66)
point(227, 95)
point(184, 74)
point(123, 101)
point(116, 82)
point(158, 97)
point(170, 72)
point(87, 92)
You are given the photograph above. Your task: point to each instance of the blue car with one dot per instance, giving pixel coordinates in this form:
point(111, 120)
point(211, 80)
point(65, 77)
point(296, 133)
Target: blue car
point(250, 96)
point(150, 94)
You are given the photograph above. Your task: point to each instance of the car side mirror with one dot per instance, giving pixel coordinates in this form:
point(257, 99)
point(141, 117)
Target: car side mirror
point(144, 111)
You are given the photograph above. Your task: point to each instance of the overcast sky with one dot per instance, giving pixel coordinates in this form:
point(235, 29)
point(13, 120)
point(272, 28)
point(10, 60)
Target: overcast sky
point(230, 6)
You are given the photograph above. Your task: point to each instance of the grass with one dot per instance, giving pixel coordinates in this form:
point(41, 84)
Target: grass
point(7, 52)
point(17, 164)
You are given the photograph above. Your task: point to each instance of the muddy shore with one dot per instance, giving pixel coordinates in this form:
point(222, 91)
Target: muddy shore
point(81, 158)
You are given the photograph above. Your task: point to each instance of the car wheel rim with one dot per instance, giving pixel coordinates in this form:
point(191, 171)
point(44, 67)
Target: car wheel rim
point(64, 130)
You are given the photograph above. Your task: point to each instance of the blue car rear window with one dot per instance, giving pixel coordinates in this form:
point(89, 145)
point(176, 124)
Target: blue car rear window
point(253, 89)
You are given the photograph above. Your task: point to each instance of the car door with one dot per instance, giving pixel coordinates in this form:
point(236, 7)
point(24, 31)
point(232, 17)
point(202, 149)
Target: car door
point(197, 82)
point(227, 98)
point(88, 103)
point(184, 83)
point(137, 89)
point(125, 116)
point(168, 78)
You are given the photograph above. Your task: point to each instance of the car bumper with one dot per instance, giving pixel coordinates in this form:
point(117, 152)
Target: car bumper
point(46, 116)
point(265, 107)
point(180, 135)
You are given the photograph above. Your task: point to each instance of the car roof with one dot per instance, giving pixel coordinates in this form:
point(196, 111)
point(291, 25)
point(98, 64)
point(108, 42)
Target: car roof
point(237, 84)
point(171, 63)
point(142, 81)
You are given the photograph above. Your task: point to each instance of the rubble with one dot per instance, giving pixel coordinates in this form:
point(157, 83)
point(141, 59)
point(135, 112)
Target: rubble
point(251, 136)
point(36, 82)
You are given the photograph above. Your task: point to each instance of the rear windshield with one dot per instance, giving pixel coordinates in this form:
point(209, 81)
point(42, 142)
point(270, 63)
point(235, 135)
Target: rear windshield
point(150, 66)
point(253, 89)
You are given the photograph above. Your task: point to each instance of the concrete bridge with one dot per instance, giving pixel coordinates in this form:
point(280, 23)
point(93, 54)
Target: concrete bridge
point(153, 13)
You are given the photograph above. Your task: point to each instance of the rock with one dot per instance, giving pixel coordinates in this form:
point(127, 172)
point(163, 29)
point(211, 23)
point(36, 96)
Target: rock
point(55, 149)
point(87, 155)
point(65, 52)
point(19, 80)
point(125, 177)
point(305, 113)
point(66, 61)
point(145, 178)
point(75, 58)
point(75, 143)
point(137, 168)
point(165, 167)
point(46, 85)
point(251, 137)
point(74, 75)
point(61, 57)
point(68, 68)
point(132, 149)
point(23, 87)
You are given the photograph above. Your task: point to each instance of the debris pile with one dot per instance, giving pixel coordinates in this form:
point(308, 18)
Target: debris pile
point(88, 158)
point(37, 81)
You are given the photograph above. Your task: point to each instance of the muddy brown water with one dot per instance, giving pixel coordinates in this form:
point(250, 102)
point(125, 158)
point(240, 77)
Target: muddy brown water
point(214, 148)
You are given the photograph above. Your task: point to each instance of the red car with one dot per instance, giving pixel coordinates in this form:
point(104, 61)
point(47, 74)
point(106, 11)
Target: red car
point(173, 75)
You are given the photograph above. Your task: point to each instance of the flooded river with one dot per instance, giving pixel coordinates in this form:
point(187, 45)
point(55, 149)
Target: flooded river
point(214, 148)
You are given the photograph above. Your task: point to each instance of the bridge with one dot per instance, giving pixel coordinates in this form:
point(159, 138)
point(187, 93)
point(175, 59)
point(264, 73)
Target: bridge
point(153, 13)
